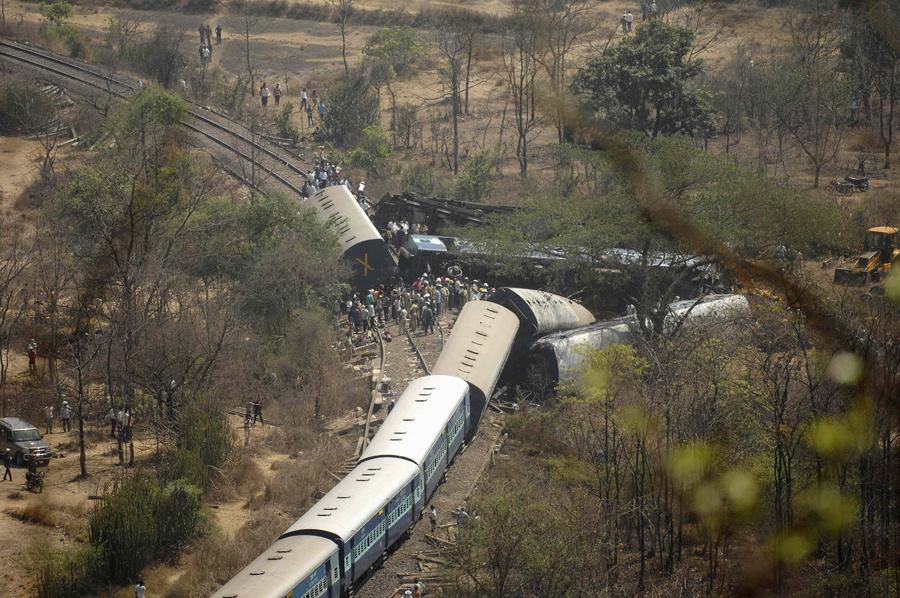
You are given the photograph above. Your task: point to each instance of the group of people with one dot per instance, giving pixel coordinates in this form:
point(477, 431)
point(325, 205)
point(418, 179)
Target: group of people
point(397, 232)
point(414, 307)
point(649, 12)
point(312, 104)
point(121, 423)
point(265, 93)
point(206, 44)
point(65, 414)
point(326, 174)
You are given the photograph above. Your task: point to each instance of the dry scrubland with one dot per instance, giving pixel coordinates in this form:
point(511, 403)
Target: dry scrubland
point(260, 490)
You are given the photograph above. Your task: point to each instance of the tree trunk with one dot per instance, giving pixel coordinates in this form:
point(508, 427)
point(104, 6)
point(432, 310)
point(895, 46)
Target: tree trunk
point(468, 73)
point(455, 100)
point(344, 46)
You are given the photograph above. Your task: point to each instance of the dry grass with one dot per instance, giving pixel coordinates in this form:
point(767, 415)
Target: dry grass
point(243, 478)
point(39, 512)
point(216, 558)
point(863, 140)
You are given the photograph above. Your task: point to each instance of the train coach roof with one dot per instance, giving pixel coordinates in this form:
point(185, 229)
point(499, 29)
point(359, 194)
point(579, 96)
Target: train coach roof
point(277, 571)
point(355, 499)
point(417, 419)
point(337, 206)
point(479, 345)
point(544, 312)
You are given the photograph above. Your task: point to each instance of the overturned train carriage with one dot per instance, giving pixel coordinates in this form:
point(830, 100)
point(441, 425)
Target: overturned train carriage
point(477, 351)
point(559, 358)
point(362, 247)
point(542, 313)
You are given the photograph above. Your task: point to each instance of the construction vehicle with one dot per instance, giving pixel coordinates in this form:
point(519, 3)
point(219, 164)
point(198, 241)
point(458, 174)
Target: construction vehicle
point(880, 254)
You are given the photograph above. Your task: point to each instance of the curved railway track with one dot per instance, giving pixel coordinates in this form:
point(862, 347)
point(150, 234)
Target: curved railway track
point(228, 135)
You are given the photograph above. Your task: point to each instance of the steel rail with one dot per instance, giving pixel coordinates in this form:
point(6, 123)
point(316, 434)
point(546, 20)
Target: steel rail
point(376, 382)
point(9, 49)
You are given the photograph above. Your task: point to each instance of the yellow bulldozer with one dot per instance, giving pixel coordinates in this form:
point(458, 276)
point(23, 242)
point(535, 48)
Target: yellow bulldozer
point(879, 256)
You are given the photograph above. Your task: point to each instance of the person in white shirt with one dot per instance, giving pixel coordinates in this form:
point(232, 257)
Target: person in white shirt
point(140, 590)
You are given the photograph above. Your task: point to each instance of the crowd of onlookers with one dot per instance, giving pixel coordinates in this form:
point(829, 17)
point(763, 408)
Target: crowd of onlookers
point(413, 308)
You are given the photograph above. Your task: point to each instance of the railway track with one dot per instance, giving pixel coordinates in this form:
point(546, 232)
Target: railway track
point(420, 356)
point(230, 137)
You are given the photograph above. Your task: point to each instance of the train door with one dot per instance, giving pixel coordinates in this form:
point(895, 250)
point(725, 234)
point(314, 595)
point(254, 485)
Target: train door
point(333, 572)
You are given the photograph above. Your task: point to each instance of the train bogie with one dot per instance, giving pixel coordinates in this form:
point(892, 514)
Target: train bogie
point(560, 358)
point(364, 514)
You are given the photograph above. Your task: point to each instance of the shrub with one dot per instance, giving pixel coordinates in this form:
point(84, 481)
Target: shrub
point(139, 522)
point(373, 153)
point(203, 444)
point(474, 182)
point(352, 106)
point(286, 129)
point(69, 574)
point(418, 179)
point(23, 107)
point(124, 526)
point(178, 515)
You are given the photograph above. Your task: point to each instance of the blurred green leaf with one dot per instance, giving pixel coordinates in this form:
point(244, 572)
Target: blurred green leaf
point(741, 489)
point(845, 368)
point(689, 463)
point(892, 285)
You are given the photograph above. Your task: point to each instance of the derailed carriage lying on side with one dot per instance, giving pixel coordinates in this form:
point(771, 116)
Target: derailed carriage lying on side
point(362, 247)
point(558, 359)
point(355, 524)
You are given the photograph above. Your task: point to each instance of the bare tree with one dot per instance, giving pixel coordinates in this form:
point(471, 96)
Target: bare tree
point(810, 94)
point(521, 51)
point(246, 24)
point(14, 289)
point(453, 45)
point(563, 23)
point(343, 10)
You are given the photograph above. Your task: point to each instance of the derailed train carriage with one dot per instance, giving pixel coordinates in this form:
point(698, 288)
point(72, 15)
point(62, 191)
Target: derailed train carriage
point(362, 247)
point(346, 533)
point(350, 529)
point(558, 359)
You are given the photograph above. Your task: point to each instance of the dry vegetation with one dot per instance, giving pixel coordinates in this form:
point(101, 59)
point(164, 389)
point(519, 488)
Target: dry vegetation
point(473, 108)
